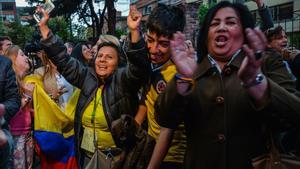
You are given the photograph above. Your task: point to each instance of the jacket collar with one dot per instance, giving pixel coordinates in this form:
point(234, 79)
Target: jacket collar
point(205, 66)
point(162, 66)
point(238, 60)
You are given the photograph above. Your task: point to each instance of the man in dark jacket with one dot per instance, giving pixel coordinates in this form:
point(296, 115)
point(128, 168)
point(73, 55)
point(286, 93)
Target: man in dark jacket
point(9, 105)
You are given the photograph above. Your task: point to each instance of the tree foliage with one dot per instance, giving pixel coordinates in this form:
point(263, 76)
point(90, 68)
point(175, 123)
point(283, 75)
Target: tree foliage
point(60, 27)
point(3, 28)
point(202, 11)
point(19, 33)
point(120, 32)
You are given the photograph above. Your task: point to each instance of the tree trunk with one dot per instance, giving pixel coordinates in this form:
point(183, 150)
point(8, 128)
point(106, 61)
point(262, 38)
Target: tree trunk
point(95, 19)
point(111, 14)
point(102, 20)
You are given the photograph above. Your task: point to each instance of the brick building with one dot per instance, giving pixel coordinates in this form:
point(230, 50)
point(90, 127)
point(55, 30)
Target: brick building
point(189, 6)
point(8, 11)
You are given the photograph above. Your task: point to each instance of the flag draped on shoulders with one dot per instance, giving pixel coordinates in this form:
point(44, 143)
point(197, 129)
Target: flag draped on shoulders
point(53, 128)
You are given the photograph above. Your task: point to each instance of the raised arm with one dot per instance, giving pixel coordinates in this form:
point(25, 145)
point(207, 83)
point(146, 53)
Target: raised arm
point(138, 67)
point(265, 15)
point(72, 70)
point(133, 22)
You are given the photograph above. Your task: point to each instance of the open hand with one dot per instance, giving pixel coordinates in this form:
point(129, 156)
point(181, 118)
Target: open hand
point(183, 56)
point(251, 66)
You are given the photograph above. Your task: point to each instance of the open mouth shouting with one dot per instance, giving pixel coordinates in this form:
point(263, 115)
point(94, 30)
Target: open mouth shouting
point(221, 40)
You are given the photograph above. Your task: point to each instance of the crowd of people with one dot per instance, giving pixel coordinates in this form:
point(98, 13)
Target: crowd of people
point(211, 105)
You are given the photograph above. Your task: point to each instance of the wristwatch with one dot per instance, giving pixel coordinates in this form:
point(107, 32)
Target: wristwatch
point(258, 79)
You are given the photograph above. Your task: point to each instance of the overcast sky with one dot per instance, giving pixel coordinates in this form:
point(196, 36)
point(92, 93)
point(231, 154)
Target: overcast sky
point(121, 5)
point(21, 3)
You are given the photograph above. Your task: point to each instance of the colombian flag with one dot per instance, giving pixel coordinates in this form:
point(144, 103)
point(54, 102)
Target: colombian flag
point(53, 128)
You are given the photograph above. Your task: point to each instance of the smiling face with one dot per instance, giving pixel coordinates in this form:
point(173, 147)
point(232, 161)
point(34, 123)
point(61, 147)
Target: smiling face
point(106, 61)
point(225, 34)
point(21, 63)
point(279, 43)
point(86, 52)
point(158, 47)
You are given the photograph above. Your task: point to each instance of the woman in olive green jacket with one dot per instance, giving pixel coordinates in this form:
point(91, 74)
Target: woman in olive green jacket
point(233, 93)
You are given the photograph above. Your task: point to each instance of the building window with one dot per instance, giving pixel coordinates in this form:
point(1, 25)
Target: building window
point(285, 11)
point(282, 12)
point(9, 18)
point(7, 6)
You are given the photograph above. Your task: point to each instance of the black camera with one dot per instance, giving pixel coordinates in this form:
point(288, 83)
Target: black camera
point(31, 48)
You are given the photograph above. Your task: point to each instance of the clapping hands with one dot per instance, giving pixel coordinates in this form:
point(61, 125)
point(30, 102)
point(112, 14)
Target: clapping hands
point(183, 56)
point(251, 65)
